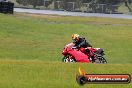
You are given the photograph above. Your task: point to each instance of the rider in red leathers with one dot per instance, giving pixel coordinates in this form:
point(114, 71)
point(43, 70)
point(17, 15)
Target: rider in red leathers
point(81, 44)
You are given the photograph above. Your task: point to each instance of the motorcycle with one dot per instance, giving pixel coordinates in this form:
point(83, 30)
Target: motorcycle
point(93, 55)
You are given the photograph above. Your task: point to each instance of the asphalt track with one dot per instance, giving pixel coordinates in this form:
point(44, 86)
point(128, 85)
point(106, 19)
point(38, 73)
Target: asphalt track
point(66, 13)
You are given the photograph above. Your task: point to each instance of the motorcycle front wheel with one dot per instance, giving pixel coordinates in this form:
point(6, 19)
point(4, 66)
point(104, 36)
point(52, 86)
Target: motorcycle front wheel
point(66, 59)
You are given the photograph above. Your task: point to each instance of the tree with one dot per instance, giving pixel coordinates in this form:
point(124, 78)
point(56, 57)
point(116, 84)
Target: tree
point(23, 2)
point(127, 3)
point(34, 3)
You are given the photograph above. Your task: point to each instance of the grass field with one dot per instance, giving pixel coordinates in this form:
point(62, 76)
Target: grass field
point(30, 49)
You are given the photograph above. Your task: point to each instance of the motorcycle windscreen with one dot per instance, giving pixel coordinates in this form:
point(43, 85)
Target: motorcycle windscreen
point(79, 56)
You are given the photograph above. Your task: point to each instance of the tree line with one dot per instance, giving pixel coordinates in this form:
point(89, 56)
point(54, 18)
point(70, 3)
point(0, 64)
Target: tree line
point(46, 3)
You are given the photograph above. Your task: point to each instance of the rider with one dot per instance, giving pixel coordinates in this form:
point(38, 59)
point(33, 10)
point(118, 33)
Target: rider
point(80, 43)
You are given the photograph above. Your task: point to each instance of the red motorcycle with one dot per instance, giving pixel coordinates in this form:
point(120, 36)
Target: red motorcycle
point(94, 55)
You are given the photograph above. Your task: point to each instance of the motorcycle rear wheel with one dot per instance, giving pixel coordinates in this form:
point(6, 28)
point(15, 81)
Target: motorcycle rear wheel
point(100, 59)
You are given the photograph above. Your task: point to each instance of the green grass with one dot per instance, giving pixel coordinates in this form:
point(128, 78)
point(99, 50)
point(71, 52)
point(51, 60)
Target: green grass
point(42, 38)
point(39, 74)
point(30, 49)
